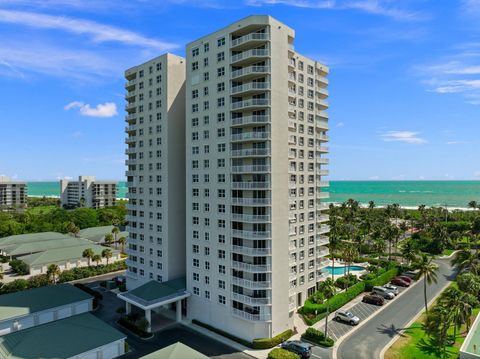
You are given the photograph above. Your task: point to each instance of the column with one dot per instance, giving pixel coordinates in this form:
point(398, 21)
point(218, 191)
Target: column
point(178, 308)
point(148, 317)
point(128, 308)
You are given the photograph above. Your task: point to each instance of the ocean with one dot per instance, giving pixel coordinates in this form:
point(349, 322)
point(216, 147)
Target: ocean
point(455, 194)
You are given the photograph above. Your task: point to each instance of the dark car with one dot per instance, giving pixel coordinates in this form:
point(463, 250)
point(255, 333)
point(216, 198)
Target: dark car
point(406, 279)
point(119, 280)
point(298, 347)
point(400, 282)
point(373, 299)
point(409, 274)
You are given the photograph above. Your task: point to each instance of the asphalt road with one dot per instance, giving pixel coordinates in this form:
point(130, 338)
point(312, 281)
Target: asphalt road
point(374, 335)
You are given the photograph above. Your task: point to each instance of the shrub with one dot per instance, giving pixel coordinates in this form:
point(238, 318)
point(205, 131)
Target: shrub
point(346, 281)
point(279, 353)
point(268, 343)
point(19, 266)
point(382, 279)
point(133, 328)
point(317, 337)
point(15, 286)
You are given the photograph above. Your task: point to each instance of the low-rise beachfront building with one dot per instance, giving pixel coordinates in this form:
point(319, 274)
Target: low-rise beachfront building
point(88, 192)
point(17, 239)
point(66, 258)
point(82, 336)
point(470, 348)
point(97, 234)
point(22, 249)
point(13, 194)
point(30, 308)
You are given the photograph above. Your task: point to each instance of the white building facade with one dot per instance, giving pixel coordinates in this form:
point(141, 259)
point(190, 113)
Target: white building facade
point(88, 192)
point(13, 194)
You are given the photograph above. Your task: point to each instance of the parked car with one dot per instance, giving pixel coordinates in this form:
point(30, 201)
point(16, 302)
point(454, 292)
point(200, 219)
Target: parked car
point(405, 278)
point(297, 347)
point(391, 288)
point(383, 292)
point(410, 274)
point(347, 317)
point(119, 279)
point(400, 282)
point(373, 299)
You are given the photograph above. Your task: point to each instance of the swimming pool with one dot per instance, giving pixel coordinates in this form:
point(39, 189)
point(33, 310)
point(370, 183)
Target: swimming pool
point(340, 270)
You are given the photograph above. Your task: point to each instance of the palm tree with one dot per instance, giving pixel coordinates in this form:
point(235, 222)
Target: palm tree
point(108, 239)
point(334, 239)
point(53, 271)
point(371, 205)
point(437, 323)
point(389, 234)
point(97, 258)
point(327, 288)
point(73, 228)
point(459, 305)
point(115, 232)
point(409, 252)
point(473, 205)
point(466, 260)
point(107, 253)
point(88, 253)
point(428, 270)
point(349, 253)
point(122, 241)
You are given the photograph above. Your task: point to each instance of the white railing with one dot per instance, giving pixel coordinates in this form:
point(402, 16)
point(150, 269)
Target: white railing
point(250, 86)
point(322, 160)
point(251, 217)
point(322, 114)
point(321, 240)
point(250, 300)
point(322, 172)
point(250, 119)
point(249, 37)
point(323, 137)
point(250, 136)
point(249, 70)
point(251, 317)
point(322, 123)
point(250, 185)
point(250, 53)
point(250, 283)
point(251, 168)
point(251, 251)
point(322, 149)
point(250, 152)
point(251, 267)
point(250, 201)
point(251, 234)
point(250, 103)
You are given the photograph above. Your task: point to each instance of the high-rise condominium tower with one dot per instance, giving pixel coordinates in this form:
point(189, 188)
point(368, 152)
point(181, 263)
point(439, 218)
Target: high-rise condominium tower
point(156, 170)
point(13, 194)
point(253, 145)
point(88, 192)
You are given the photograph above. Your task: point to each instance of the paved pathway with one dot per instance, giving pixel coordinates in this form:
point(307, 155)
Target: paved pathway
point(377, 332)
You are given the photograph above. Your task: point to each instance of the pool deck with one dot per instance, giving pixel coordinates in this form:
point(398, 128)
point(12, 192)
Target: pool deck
point(343, 264)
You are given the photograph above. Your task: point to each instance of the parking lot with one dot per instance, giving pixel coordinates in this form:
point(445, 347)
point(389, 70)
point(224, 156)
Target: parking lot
point(361, 310)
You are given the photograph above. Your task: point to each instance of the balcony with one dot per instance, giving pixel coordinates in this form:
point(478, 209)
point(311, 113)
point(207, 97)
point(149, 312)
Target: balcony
point(323, 138)
point(250, 38)
point(322, 149)
point(131, 139)
point(251, 169)
point(322, 172)
point(248, 136)
point(130, 150)
point(131, 107)
point(252, 55)
point(249, 251)
point(322, 160)
point(323, 274)
point(250, 218)
point(132, 161)
point(251, 317)
point(250, 300)
point(322, 195)
point(130, 85)
point(251, 234)
point(322, 251)
point(250, 201)
point(250, 87)
point(323, 218)
point(250, 283)
point(322, 104)
point(254, 268)
point(321, 123)
point(322, 81)
point(322, 115)
point(250, 185)
point(250, 71)
point(130, 94)
point(322, 240)
point(250, 152)
point(130, 173)
point(322, 263)
point(248, 120)
point(321, 91)
point(251, 103)
point(131, 128)
point(323, 228)
point(322, 206)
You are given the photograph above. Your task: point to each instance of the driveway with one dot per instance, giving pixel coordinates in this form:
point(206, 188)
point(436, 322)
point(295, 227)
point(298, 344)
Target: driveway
point(377, 332)
point(172, 334)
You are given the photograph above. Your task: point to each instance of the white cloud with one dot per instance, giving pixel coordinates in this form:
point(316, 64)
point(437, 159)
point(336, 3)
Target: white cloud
point(340, 124)
point(374, 178)
point(98, 32)
point(456, 142)
point(376, 7)
point(68, 178)
point(107, 109)
point(403, 136)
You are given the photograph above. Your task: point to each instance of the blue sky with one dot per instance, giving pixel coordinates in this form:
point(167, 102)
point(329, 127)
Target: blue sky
point(404, 80)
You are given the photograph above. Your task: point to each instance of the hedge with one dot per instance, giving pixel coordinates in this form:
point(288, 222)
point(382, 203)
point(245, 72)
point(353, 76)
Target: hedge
point(335, 302)
point(264, 343)
point(268, 343)
point(317, 337)
point(279, 353)
point(381, 279)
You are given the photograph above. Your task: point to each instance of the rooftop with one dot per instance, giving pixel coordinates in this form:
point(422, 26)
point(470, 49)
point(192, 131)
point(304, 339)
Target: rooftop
point(41, 246)
point(32, 237)
point(97, 234)
point(174, 351)
point(59, 339)
point(60, 255)
point(35, 300)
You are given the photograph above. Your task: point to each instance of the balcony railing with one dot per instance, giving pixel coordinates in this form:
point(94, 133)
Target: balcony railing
point(250, 201)
point(322, 123)
point(251, 317)
point(251, 217)
point(245, 120)
point(250, 136)
point(250, 54)
point(249, 251)
point(249, 87)
point(250, 37)
point(250, 185)
point(250, 152)
point(250, 70)
point(251, 234)
point(322, 240)
point(254, 102)
point(251, 284)
point(251, 300)
point(254, 268)
point(251, 168)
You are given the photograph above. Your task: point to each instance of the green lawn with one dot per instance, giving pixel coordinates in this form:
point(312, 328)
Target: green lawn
point(447, 252)
point(415, 344)
point(41, 209)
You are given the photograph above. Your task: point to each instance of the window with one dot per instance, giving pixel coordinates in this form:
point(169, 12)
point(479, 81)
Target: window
point(194, 121)
point(222, 299)
point(206, 105)
point(221, 208)
point(205, 91)
point(221, 132)
point(221, 41)
point(194, 93)
point(195, 52)
point(221, 117)
point(221, 86)
point(221, 283)
point(221, 71)
point(220, 56)
point(207, 294)
point(220, 162)
point(196, 262)
point(206, 120)
point(194, 136)
point(205, 62)
point(196, 277)
point(195, 107)
point(196, 291)
point(206, 47)
point(194, 65)
point(207, 251)
point(221, 193)
point(206, 76)
point(221, 238)
point(221, 223)
point(221, 102)
point(221, 147)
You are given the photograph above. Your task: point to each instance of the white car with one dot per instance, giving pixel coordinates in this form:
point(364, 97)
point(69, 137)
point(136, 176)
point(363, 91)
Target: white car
point(391, 288)
point(346, 316)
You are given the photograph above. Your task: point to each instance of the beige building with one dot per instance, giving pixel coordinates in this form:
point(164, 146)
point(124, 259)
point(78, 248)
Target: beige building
point(88, 192)
point(13, 194)
point(255, 135)
point(156, 170)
